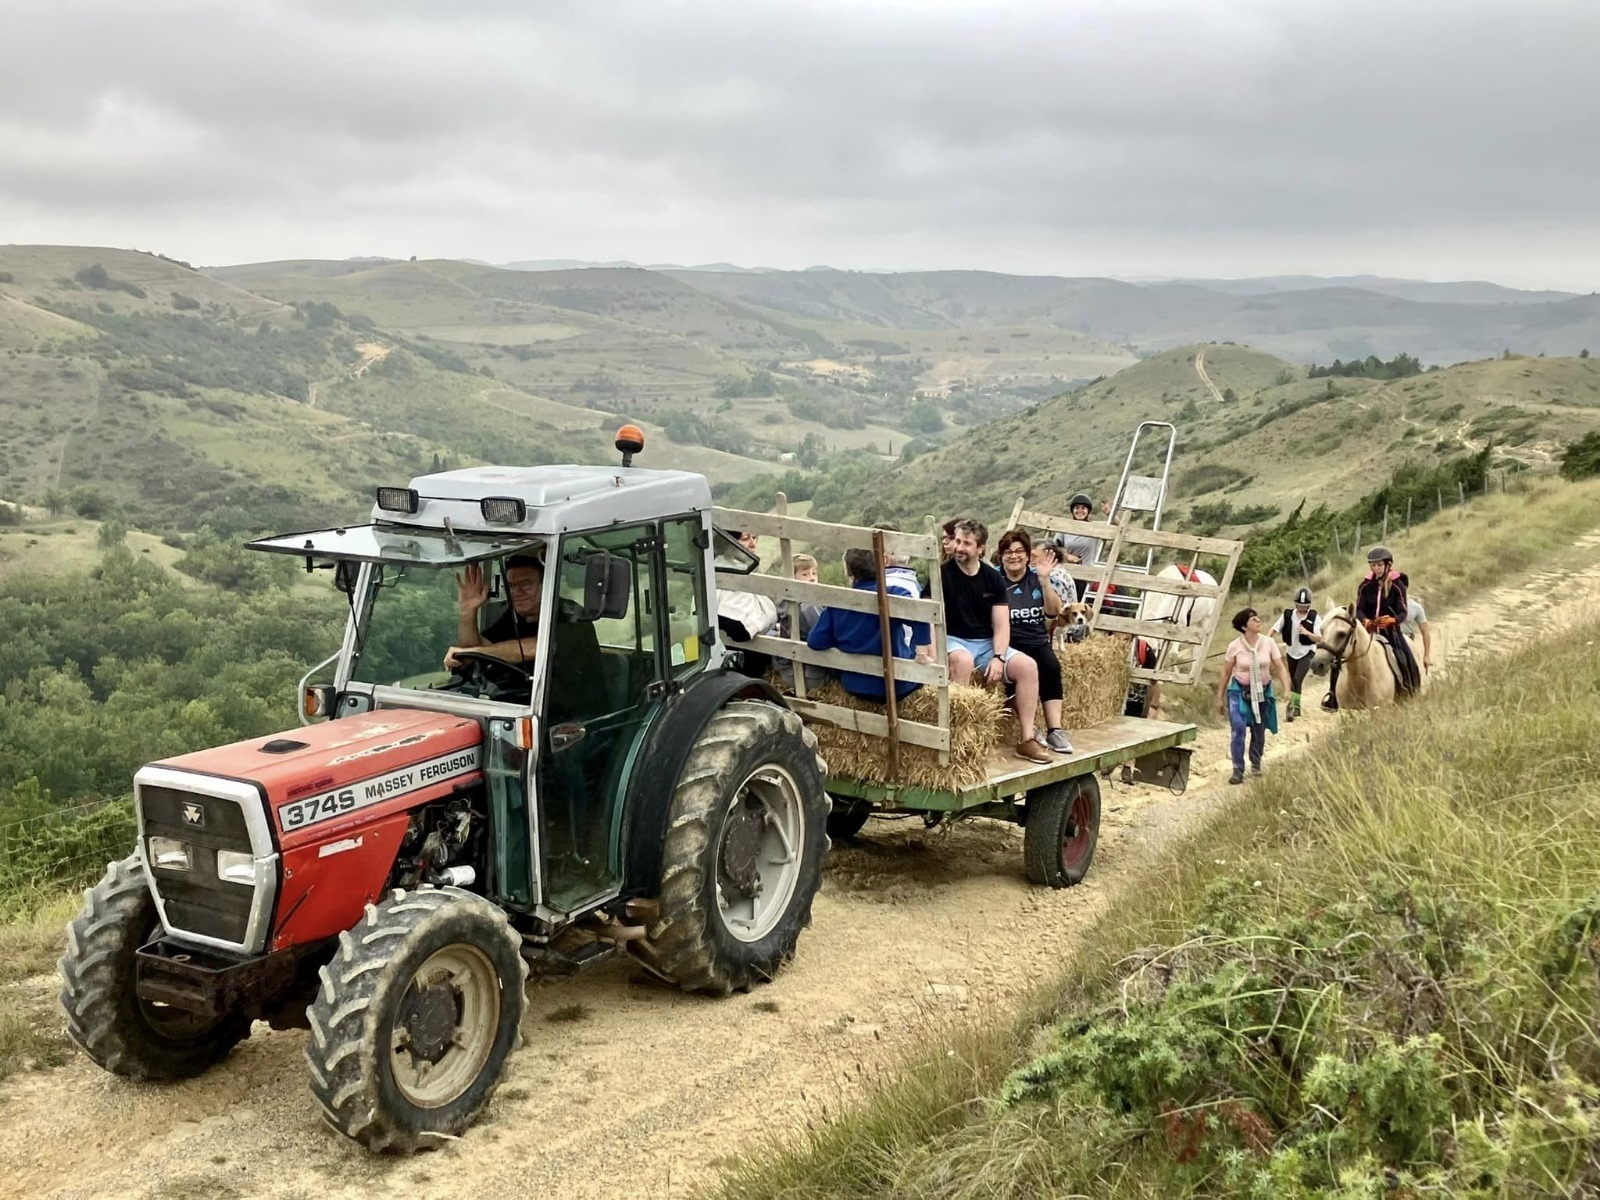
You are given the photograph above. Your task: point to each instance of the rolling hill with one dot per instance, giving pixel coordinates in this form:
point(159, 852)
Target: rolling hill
point(1270, 438)
point(276, 394)
point(1311, 324)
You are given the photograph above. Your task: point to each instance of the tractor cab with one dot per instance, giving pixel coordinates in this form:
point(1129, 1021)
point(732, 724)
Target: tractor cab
point(557, 606)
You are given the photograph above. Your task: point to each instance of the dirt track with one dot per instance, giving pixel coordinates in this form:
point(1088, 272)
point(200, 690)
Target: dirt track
point(649, 1089)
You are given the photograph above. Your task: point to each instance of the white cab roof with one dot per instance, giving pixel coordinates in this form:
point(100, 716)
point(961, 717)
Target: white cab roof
point(558, 498)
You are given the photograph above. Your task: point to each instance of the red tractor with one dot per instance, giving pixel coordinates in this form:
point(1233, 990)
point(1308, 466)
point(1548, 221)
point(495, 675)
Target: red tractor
point(533, 749)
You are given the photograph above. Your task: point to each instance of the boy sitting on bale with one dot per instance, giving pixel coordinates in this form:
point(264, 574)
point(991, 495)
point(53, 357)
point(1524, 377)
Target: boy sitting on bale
point(859, 633)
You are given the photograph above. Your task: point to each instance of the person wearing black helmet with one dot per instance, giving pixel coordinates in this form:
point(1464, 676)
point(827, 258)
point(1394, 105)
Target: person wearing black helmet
point(1300, 632)
point(1079, 547)
point(1382, 605)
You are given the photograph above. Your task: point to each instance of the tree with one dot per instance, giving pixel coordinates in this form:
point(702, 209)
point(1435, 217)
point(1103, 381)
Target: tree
point(1584, 353)
point(1581, 458)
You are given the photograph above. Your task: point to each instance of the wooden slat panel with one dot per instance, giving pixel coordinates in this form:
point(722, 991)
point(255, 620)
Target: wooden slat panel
point(828, 595)
point(838, 660)
point(1151, 631)
point(873, 724)
point(1164, 675)
point(1221, 547)
point(825, 533)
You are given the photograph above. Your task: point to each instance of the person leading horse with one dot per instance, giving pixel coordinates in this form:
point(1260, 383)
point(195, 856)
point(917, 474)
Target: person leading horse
point(1381, 606)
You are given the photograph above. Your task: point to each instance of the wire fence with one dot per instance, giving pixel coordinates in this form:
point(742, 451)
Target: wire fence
point(57, 851)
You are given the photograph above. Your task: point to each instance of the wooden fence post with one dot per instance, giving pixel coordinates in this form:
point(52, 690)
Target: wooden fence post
point(1384, 536)
point(1337, 549)
point(1461, 490)
point(1438, 500)
point(1408, 514)
point(885, 632)
point(1305, 572)
point(1355, 541)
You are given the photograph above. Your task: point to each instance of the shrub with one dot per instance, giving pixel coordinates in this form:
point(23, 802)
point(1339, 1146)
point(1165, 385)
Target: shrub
point(184, 303)
point(1581, 458)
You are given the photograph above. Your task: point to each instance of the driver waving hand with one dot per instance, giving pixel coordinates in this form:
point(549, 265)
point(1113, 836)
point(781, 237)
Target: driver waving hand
point(513, 637)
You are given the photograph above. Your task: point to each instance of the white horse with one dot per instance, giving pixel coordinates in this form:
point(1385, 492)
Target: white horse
point(1186, 612)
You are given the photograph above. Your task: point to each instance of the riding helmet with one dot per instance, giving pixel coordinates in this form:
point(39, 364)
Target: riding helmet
point(1379, 554)
point(1081, 498)
point(1303, 596)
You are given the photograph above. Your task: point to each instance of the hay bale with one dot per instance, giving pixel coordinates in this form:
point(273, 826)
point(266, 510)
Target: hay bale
point(1094, 680)
point(976, 724)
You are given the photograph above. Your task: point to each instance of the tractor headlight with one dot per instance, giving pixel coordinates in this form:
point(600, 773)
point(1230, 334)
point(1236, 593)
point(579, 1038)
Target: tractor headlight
point(169, 854)
point(236, 866)
point(503, 510)
point(399, 500)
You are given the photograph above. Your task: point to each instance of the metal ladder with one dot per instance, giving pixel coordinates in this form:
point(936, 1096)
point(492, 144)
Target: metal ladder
point(1142, 493)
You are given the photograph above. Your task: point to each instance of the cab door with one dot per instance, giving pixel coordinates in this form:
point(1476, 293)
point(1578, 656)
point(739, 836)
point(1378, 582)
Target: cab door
point(603, 680)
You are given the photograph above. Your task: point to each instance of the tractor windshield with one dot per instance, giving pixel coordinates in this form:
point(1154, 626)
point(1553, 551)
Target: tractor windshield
point(414, 620)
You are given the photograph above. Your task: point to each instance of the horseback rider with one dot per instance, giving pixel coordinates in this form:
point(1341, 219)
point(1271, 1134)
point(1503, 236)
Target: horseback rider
point(1381, 606)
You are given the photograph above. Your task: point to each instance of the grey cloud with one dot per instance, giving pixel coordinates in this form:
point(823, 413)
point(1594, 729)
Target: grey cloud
point(816, 126)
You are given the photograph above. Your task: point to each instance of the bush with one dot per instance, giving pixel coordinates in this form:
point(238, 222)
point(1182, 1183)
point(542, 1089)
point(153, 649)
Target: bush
point(97, 277)
point(1581, 458)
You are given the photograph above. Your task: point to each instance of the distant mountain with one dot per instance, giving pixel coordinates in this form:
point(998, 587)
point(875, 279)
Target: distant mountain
point(1313, 324)
point(1461, 292)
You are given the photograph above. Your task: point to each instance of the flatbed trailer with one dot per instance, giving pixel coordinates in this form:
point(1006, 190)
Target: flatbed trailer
point(1056, 803)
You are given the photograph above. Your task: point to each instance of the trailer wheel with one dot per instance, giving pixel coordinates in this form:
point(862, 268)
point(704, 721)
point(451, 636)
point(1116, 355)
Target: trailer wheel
point(1063, 828)
point(415, 1018)
point(847, 817)
point(105, 1015)
point(746, 836)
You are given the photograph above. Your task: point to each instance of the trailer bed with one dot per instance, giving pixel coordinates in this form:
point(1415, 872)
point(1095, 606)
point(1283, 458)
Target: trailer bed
point(1109, 744)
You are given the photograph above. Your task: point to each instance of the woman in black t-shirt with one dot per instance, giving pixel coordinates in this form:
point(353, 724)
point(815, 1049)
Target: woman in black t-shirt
point(1032, 601)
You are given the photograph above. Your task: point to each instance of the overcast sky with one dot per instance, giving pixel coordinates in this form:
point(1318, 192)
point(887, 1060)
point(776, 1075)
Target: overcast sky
point(1443, 139)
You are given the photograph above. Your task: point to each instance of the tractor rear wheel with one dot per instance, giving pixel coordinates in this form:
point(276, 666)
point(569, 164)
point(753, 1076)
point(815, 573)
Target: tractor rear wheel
point(746, 836)
point(415, 1018)
point(847, 817)
point(1063, 828)
point(105, 1015)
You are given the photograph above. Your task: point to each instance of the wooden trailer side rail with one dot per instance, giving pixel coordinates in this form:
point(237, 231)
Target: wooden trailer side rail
point(1109, 571)
point(790, 593)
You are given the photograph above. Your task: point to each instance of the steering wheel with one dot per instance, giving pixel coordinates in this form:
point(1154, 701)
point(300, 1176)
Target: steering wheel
point(483, 672)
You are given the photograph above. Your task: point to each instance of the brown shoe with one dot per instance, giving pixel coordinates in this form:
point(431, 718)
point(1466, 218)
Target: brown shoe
point(1033, 751)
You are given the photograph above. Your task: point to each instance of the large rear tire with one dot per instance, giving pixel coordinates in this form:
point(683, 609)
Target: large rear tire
point(415, 1018)
point(1062, 832)
point(105, 1016)
point(743, 856)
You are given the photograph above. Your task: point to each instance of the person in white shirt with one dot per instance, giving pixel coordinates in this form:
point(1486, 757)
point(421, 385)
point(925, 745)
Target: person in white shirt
point(1416, 622)
point(1300, 632)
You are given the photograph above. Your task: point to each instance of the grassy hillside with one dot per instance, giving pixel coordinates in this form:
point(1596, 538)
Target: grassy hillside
point(1317, 323)
point(1274, 438)
point(1373, 974)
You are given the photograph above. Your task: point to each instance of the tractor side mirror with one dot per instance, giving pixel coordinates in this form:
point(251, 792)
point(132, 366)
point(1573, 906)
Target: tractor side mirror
point(607, 582)
point(345, 574)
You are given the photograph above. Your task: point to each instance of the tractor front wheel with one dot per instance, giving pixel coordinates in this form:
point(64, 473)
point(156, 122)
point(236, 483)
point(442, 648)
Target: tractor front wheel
point(742, 862)
point(1063, 828)
point(415, 1018)
point(105, 1015)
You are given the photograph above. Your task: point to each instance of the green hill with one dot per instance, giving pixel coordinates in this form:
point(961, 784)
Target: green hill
point(1274, 438)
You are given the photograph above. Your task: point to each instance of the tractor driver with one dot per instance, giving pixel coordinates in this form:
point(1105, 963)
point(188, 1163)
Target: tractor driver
point(514, 636)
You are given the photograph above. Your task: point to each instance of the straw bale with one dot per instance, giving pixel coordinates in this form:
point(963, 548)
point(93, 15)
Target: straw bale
point(976, 721)
point(1094, 680)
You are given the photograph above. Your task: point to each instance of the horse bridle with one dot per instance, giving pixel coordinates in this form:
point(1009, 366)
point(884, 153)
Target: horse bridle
point(1341, 655)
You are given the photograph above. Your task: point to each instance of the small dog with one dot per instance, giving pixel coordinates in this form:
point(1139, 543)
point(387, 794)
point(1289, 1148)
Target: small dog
point(1072, 626)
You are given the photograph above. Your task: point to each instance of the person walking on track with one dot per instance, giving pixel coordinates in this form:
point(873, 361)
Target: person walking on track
point(1299, 630)
point(1250, 665)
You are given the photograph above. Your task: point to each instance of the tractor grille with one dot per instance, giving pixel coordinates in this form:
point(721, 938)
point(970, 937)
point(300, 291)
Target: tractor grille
point(197, 900)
